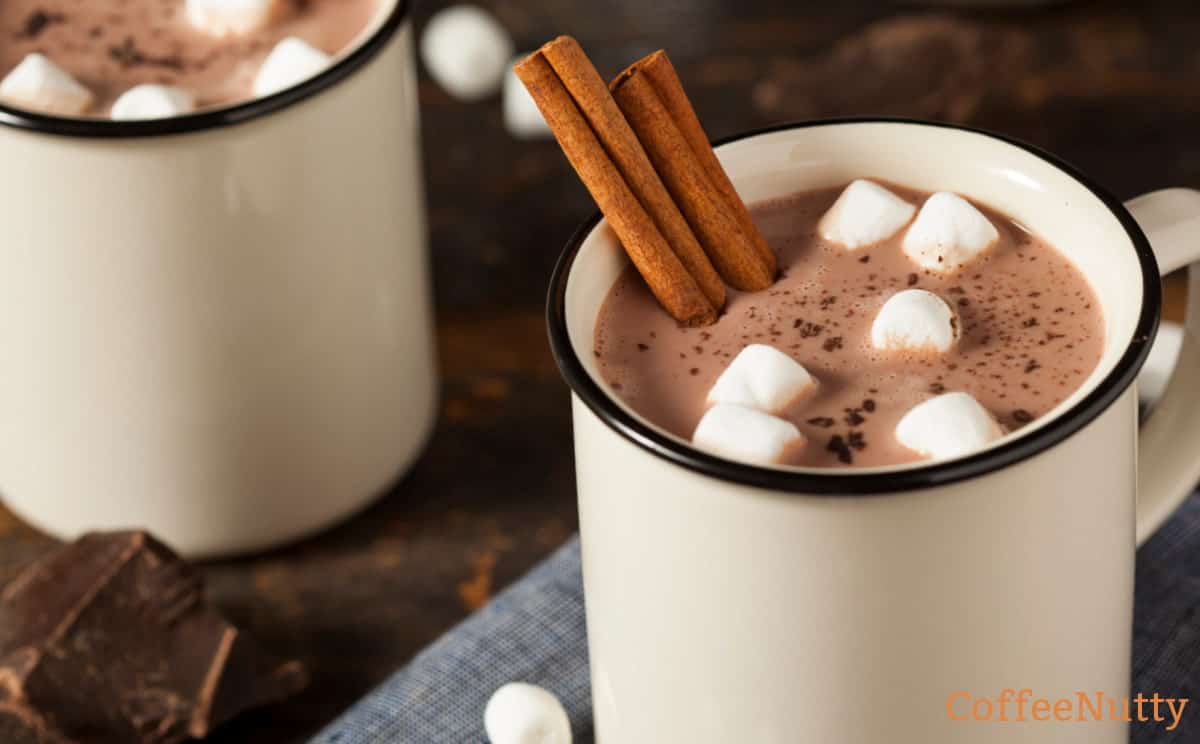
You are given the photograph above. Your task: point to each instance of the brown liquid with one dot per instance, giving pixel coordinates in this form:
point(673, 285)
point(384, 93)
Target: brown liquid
point(1032, 332)
point(113, 45)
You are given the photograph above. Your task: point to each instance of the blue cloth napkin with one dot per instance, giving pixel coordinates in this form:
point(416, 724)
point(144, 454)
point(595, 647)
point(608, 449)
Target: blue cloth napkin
point(534, 632)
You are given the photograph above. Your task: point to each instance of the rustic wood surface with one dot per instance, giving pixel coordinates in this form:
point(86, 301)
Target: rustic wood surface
point(1110, 86)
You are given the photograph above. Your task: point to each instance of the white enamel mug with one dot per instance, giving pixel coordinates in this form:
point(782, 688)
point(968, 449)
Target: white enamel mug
point(218, 326)
point(733, 603)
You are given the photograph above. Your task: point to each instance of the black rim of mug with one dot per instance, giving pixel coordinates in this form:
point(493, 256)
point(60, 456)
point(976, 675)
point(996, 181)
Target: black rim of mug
point(848, 482)
point(215, 117)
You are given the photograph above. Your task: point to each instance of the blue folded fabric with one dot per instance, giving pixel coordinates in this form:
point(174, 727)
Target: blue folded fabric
point(534, 632)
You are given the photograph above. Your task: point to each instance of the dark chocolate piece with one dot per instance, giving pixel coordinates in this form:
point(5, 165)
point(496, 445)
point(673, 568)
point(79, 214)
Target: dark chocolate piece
point(109, 640)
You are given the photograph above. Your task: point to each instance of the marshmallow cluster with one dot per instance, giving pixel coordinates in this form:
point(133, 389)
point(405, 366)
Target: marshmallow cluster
point(865, 213)
point(760, 381)
point(950, 425)
point(467, 51)
point(521, 713)
point(948, 232)
point(38, 84)
point(915, 320)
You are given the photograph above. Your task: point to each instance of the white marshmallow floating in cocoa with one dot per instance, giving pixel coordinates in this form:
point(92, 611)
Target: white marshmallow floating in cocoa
point(764, 378)
point(293, 60)
point(521, 713)
point(948, 233)
point(225, 17)
point(865, 213)
point(915, 320)
point(152, 101)
point(747, 435)
point(466, 51)
point(38, 84)
point(522, 117)
point(950, 425)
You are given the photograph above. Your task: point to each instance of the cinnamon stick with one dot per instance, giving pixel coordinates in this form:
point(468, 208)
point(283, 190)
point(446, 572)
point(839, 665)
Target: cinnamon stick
point(661, 73)
point(675, 287)
point(592, 96)
point(728, 244)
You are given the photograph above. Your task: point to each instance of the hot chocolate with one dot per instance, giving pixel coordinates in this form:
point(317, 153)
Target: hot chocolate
point(111, 47)
point(1026, 327)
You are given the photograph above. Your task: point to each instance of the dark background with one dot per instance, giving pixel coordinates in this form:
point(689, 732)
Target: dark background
point(1113, 87)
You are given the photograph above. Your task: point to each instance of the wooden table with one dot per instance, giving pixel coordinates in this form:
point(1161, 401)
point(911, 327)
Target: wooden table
point(1110, 88)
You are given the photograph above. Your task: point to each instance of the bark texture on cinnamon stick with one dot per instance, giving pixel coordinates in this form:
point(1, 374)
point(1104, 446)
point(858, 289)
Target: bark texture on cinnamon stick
point(668, 278)
point(656, 68)
point(727, 242)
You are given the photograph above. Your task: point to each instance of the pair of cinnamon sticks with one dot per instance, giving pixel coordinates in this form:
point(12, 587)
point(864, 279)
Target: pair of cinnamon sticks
point(640, 150)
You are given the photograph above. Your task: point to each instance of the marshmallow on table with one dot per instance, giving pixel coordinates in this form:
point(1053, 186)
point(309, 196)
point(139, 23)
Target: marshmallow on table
point(467, 51)
point(949, 425)
point(745, 434)
point(948, 233)
point(223, 17)
point(291, 61)
point(152, 101)
point(522, 117)
point(864, 214)
point(40, 85)
point(762, 377)
point(914, 319)
point(521, 713)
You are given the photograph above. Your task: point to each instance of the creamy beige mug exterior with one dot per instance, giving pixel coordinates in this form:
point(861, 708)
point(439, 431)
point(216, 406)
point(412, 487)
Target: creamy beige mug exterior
point(729, 603)
point(218, 327)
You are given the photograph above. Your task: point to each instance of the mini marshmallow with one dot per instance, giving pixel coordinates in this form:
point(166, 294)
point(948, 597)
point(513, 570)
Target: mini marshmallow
point(291, 61)
point(467, 51)
point(521, 713)
point(949, 425)
point(224, 17)
point(745, 434)
point(948, 233)
point(153, 102)
point(762, 377)
point(864, 214)
point(914, 319)
point(522, 117)
point(40, 85)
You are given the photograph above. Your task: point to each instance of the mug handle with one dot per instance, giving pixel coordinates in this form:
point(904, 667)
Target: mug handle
point(1169, 443)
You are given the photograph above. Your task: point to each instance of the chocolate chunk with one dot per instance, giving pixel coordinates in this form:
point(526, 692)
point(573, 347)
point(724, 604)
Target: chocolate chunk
point(1021, 416)
point(913, 279)
point(108, 640)
point(868, 405)
point(832, 344)
point(853, 417)
point(822, 421)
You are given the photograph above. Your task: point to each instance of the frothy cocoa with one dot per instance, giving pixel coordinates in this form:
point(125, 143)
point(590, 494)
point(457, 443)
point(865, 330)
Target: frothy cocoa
point(113, 45)
point(1032, 331)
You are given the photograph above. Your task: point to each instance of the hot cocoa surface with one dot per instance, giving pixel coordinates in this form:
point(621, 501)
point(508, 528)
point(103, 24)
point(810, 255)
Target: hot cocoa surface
point(1032, 331)
point(113, 45)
